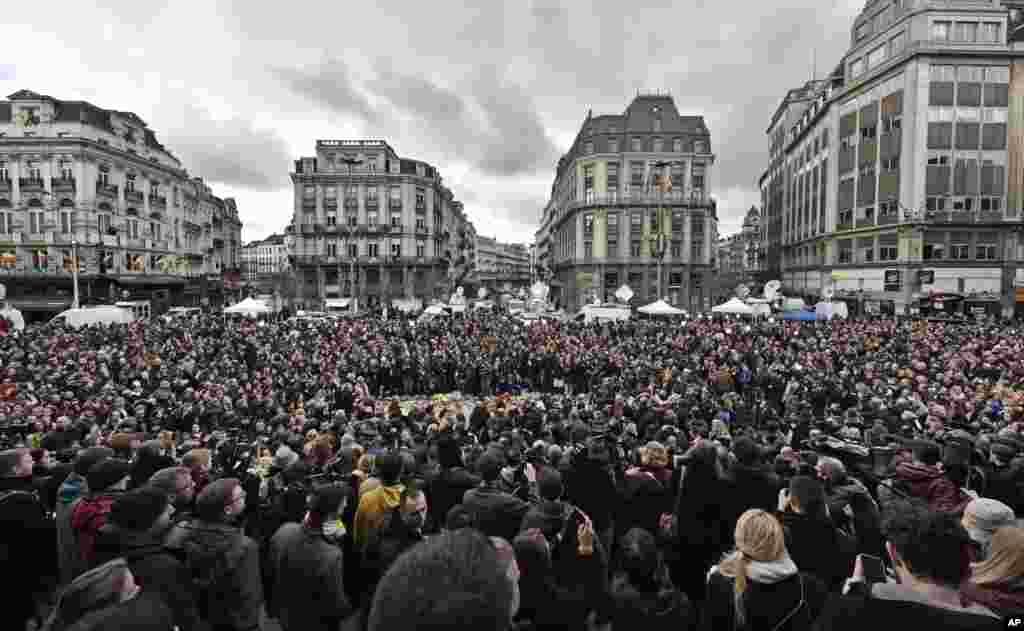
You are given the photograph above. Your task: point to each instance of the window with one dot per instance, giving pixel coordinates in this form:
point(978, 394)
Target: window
point(352, 219)
point(588, 250)
point(677, 249)
point(997, 75)
point(421, 249)
point(129, 184)
point(332, 249)
point(421, 199)
point(891, 123)
point(868, 253)
point(868, 133)
point(863, 30)
point(940, 30)
point(891, 164)
point(634, 248)
point(934, 251)
point(636, 144)
point(697, 177)
point(613, 145)
point(421, 223)
point(395, 193)
point(970, 73)
point(985, 251)
point(989, 33)
point(888, 208)
point(132, 226)
point(943, 74)
point(353, 251)
point(857, 67)
point(372, 249)
point(677, 145)
point(371, 217)
point(588, 147)
point(657, 123)
point(103, 223)
point(636, 175)
point(613, 177)
point(966, 32)
point(845, 217)
point(876, 57)
point(936, 204)
point(659, 144)
point(959, 251)
point(332, 220)
point(938, 159)
point(396, 220)
point(396, 249)
point(588, 223)
point(588, 181)
point(963, 204)
point(994, 115)
point(66, 221)
point(845, 255)
point(992, 204)
point(887, 253)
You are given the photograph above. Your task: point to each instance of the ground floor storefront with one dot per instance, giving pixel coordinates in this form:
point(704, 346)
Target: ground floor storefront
point(689, 287)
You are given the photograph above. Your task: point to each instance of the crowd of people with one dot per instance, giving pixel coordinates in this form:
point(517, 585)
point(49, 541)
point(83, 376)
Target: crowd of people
point(477, 472)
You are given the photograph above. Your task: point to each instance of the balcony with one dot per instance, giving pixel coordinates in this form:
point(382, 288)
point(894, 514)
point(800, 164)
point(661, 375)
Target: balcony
point(11, 237)
point(374, 227)
point(133, 196)
point(110, 240)
point(308, 228)
point(371, 203)
point(63, 185)
point(331, 228)
point(5, 185)
point(308, 203)
point(671, 198)
point(395, 204)
point(421, 208)
point(331, 204)
point(135, 242)
point(103, 189)
point(40, 237)
point(421, 230)
point(31, 185)
point(351, 203)
point(396, 228)
point(157, 202)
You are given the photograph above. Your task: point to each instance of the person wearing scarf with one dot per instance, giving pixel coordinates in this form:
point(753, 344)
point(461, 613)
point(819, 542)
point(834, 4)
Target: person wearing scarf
point(758, 586)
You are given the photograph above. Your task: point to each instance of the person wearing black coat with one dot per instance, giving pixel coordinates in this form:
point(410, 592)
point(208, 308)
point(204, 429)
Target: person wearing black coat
point(148, 461)
point(642, 596)
point(135, 529)
point(495, 513)
point(450, 484)
point(700, 531)
point(814, 543)
point(590, 485)
point(753, 485)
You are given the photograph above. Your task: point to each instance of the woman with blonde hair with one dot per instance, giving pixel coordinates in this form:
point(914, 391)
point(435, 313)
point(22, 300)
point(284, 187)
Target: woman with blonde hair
point(757, 586)
point(998, 581)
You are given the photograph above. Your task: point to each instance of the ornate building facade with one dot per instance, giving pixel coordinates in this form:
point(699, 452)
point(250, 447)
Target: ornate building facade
point(76, 179)
point(372, 225)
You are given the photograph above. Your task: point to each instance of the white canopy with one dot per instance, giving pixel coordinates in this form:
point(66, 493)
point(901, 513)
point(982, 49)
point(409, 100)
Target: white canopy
point(15, 317)
point(660, 307)
point(761, 309)
point(734, 306)
point(249, 307)
point(434, 310)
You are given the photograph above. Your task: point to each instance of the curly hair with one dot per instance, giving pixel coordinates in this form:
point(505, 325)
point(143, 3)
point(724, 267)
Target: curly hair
point(933, 546)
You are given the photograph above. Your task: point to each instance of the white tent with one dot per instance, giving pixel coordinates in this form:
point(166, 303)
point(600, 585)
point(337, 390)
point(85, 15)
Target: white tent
point(249, 307)
point(761, 309)
point(660, 307)
point(14, 316)
point(734, 306)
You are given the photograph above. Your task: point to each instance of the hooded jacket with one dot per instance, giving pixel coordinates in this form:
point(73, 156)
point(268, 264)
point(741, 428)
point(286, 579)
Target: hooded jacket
point(928, 483)
point(819, 548)
point(664, 609)
point(307, 573)
point(155, 569)
point(88, 515)
point(773, 591)
point(373, 510)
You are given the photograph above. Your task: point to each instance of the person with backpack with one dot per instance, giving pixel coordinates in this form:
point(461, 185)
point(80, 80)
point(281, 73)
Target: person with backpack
point(26, 533)
point(223, 563)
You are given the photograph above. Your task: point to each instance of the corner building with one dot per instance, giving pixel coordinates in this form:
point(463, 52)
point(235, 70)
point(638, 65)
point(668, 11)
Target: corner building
point(373, 226)
point(601, 225)
point(905, 174)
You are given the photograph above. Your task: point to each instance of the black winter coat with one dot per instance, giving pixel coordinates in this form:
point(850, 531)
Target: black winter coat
point(766, 604)
point(819, 548)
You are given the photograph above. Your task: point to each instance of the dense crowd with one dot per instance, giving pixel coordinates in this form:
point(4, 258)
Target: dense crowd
point(481, 473)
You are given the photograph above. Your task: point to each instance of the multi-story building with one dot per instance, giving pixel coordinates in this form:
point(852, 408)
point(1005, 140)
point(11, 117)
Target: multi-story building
point(371, 225)
point(921, 189)
point(76, 178)
point(265, 257)
point(501, 266)
point(608, 225)
point(740, 255)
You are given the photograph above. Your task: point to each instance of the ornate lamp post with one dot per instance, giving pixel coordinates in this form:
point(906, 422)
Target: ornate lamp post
point(659, 239)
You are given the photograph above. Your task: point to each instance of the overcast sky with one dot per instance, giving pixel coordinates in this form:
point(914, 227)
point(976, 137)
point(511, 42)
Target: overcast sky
point(239, 88)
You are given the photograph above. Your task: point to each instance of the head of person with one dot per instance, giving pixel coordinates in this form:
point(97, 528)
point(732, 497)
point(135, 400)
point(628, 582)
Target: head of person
point(454, 581)
point(746, 451)
point(145, 509)
point(90, 456)
point(91, 592)
point(927, 547)
point(177, 483)
point(16, 463)
point(458, 517)
point(982, 518)
point(759, 537)
point(413, 507)
point(1005, 562)
point(807, 496)
point(831, 470)
point(109, 475)
point(222, 501)
point(198, 460)
point(927, 453)
point(327, 502)
point(389, 467)
point(490, 465)
point(549, 484)
point(640, 559)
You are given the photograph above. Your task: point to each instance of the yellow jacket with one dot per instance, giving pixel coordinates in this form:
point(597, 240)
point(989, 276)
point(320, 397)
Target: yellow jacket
point(373, 509)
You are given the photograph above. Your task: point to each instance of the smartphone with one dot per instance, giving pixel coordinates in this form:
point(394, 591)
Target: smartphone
point(874, 569)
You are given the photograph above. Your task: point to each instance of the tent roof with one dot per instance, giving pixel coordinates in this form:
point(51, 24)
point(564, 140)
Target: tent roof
point(735, 306)
point(660, 307)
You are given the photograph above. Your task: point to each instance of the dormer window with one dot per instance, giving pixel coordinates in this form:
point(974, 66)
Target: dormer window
point(129, 184)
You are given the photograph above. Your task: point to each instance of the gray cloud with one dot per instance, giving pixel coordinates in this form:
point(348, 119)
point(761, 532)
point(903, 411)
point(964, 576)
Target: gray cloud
point(329, 85)
point(232, 152)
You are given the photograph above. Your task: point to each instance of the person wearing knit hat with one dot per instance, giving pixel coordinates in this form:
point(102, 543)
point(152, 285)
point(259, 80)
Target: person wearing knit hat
point(982, 517)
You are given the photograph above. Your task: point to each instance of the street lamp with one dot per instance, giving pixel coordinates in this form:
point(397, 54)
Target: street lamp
point(350, 232)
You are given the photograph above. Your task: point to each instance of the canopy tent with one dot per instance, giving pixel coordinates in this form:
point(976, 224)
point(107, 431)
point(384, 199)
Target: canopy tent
point(735, 306)
point(249, 307)
point(434, 310)
point(660, 307)
point(799, 315)
point(761, 309)
point(13, 316)
point(793, 304)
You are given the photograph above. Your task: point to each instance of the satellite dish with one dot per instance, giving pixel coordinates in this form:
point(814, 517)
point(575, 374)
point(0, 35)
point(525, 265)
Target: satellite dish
point(742, 291)
point(771, 290)
point(624, 293)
